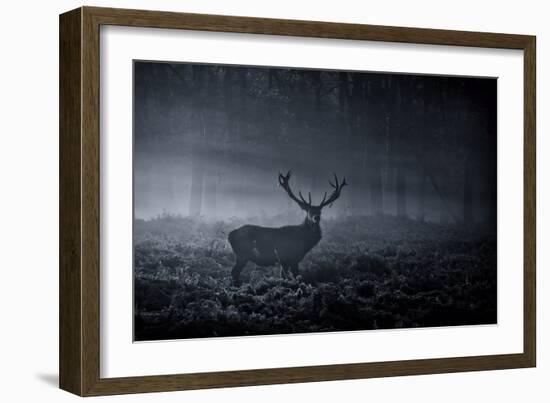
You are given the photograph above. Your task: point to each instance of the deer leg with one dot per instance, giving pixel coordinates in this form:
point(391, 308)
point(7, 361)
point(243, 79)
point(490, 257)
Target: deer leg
point(294, 269)
point(236, 271)
point(284, 271)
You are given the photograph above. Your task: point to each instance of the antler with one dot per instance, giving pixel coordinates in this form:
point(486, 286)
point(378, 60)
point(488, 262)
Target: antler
point(335, 194)
point(283, 182)
point(305, 205)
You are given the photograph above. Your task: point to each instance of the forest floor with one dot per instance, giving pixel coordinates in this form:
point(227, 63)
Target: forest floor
point(366, 273)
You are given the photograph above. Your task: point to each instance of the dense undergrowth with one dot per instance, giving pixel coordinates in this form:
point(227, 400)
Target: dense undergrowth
point(366, 273)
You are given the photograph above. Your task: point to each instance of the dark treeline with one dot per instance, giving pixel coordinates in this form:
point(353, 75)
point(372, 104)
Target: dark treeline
point(210, 140)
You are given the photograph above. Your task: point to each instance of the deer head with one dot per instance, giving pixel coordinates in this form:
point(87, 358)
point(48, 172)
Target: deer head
point(313, 212)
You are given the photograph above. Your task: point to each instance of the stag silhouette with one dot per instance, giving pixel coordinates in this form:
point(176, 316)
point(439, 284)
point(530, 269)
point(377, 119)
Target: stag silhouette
point(285, 246)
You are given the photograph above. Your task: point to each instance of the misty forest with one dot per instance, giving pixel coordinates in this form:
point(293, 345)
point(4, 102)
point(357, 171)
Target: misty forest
point(385, 186)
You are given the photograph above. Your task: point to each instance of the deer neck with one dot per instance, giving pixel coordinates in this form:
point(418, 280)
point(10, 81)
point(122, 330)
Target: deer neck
point(312, 234)
point(311, 226)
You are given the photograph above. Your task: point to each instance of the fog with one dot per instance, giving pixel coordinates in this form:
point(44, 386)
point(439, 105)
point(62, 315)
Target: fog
point(210, 140)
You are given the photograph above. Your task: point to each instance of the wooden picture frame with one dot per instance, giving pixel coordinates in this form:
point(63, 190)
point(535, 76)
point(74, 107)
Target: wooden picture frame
point(79, 201)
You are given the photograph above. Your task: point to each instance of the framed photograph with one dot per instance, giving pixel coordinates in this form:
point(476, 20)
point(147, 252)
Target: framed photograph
point(249, 201)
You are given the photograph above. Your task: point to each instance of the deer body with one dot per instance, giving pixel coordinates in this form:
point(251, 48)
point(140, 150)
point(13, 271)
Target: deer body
point(269, 246)
point(285, 246)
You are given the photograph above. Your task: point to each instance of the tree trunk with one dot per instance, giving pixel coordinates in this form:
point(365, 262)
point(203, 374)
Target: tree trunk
point(211, 192)
point(376, 198)
point(359, 162)
point(243, 113)
point(197, 165)
point(401, 190)
point(376, 129)
point(197, 184)
point(345, 123)
point(422, 193)
point(444, 216)
point(396, 150)
point(315, 118)
point(468, 208)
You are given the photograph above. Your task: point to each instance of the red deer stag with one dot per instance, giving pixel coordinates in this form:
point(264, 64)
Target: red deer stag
point(286, 245)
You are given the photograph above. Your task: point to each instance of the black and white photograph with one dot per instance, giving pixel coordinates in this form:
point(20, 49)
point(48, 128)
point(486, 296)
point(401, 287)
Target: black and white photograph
point(275, 200)
point(292, 201)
